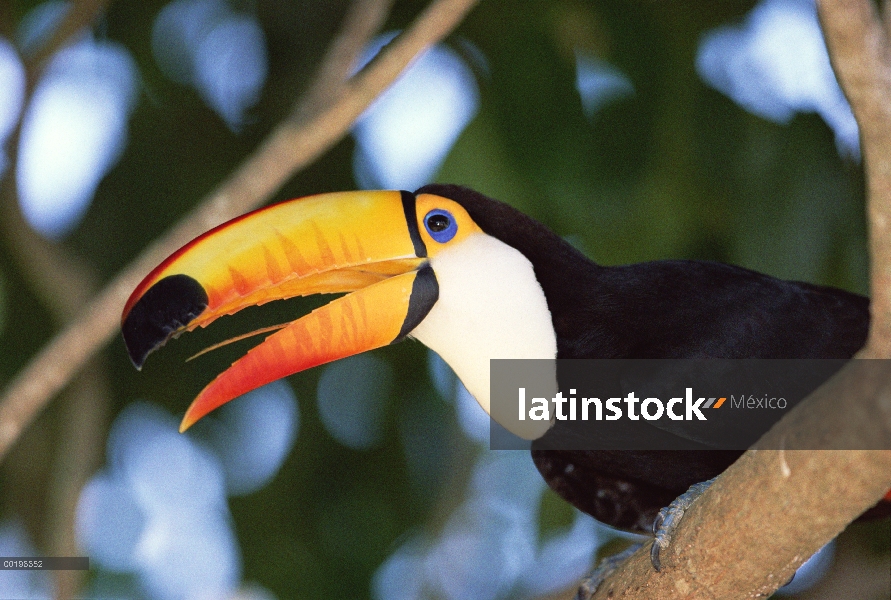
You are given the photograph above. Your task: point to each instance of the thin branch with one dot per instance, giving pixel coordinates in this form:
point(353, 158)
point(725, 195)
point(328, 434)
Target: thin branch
point(60, 280)
point(291, 146)
point(788, 504)
point(364, 19)
point(63, 283)
point(886, 20)
point(81, 14)
point(861, 57)
point(78, 449)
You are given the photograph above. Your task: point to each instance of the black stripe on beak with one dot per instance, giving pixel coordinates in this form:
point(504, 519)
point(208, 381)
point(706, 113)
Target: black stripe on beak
point(411, 218)
point(424, 294)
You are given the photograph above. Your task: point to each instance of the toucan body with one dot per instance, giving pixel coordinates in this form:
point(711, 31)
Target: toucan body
point(475, 279)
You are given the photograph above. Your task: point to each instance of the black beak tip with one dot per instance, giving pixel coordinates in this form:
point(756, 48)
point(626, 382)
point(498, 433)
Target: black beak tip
point(165, 308)
point(135, 357)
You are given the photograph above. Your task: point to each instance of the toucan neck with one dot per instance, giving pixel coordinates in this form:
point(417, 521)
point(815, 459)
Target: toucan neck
point(577, 290)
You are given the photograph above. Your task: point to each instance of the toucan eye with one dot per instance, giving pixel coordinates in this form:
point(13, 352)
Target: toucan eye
point(440, 225)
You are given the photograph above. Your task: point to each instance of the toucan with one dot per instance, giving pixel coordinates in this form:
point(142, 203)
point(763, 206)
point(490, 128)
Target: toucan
point(474, 279)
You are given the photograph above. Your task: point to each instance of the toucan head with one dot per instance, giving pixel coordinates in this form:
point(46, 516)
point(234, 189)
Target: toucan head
point(412, 265)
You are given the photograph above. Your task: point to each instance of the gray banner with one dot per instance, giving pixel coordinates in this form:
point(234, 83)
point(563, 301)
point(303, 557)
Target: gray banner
point(658, 404)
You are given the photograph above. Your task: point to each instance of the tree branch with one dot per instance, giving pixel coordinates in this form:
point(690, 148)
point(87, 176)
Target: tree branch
point(788, 504)
point(77, 453)
point(63, 283)
point(299, 140)
point(81, 14)
point(861, 56)
point(364, 19)
point(59, 279)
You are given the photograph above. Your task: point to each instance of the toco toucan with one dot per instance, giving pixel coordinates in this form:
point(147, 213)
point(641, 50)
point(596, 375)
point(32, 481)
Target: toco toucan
point(475, 279)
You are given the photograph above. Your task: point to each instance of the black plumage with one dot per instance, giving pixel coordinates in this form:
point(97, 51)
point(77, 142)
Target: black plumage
point(661, 309)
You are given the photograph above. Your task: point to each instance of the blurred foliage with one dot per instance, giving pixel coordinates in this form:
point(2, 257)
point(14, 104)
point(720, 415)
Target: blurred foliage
point(675, 171)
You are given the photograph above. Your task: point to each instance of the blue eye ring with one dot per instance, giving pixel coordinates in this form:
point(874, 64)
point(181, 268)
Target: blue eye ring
point(440, 225)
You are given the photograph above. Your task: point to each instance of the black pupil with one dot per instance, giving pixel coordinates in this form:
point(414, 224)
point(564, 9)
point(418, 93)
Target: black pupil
point(438, 223)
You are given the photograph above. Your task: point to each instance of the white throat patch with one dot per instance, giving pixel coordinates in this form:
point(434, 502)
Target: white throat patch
point(490, 306)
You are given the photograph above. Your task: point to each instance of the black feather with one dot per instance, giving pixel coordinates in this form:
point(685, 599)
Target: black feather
point(662, 309)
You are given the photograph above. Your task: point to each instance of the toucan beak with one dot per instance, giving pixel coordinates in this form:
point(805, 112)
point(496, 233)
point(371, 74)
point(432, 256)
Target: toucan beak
point(365, 243)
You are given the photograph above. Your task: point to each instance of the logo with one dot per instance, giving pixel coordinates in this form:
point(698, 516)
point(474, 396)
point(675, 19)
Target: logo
point(649, 404)
point(585, 409)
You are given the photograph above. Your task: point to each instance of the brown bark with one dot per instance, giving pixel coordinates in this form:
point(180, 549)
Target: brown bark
point(773, 509)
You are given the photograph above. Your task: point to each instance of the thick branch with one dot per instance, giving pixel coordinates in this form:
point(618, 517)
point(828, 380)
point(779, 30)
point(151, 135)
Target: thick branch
point(788, 504)
point(294, 144)
point(773, 509)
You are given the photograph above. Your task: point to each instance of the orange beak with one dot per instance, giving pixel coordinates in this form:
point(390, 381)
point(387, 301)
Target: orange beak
point(365, 243)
